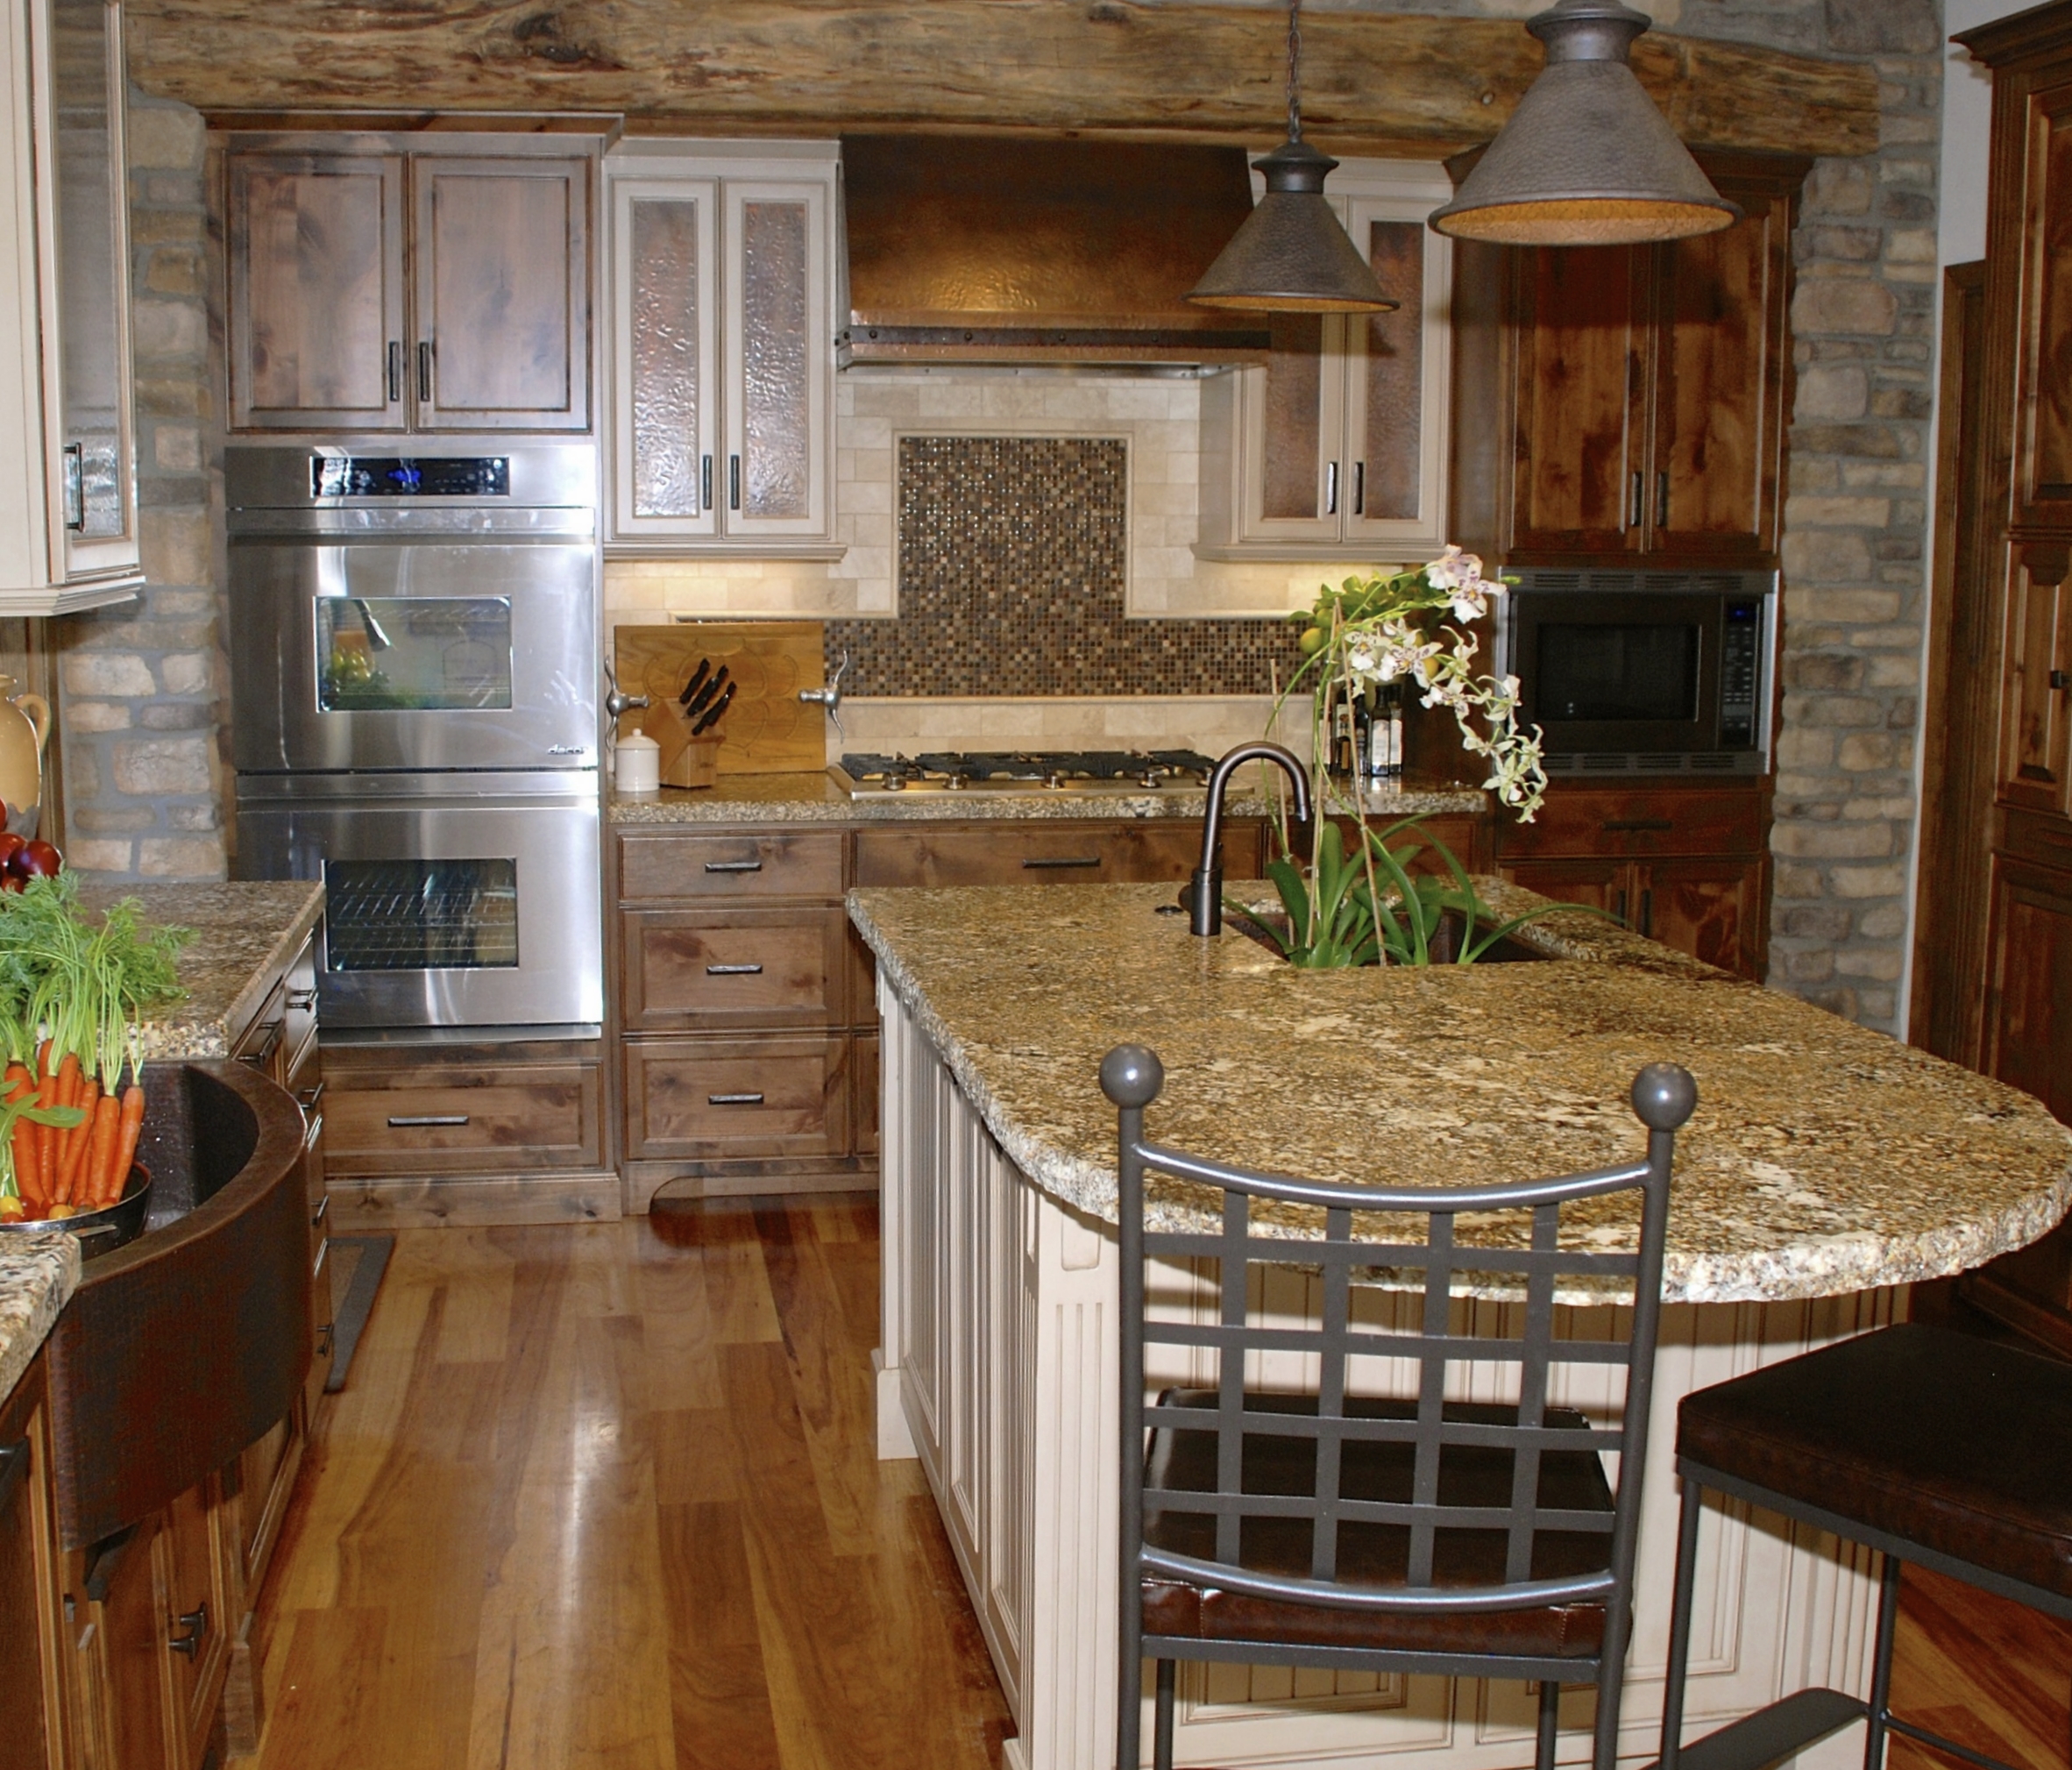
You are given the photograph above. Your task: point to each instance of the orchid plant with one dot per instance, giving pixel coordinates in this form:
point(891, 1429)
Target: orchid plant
point(1368, 908)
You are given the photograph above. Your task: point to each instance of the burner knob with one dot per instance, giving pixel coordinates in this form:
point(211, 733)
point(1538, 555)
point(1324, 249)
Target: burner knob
point(895, 783)
point(957, 783)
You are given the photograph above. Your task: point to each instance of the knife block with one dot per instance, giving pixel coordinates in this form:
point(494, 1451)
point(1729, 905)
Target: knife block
point(686, 761)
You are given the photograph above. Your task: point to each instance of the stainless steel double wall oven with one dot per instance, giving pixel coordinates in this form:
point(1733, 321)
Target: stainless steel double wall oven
point(414, 660)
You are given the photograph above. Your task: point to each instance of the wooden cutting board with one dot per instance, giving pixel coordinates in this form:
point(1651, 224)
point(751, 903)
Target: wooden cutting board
point(768, 730)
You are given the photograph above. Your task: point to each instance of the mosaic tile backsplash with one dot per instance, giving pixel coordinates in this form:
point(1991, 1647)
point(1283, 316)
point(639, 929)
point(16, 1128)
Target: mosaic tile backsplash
point(1012, 563)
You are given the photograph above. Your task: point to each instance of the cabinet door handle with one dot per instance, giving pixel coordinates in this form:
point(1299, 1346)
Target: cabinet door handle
point(424, 371)
point(322, 1212)
point(705, 484)
point(1662, 501)
point(195, 1622)
point(422, 1121)
point(76, 487)
point(315, 1132)
point(396, 372)
point(309, 1099)
point(302, 1000)
point(1647, 915)
point(1621, 911)
point(1331, 490)
point(1359, 488)
point(323, 1252)
point(734, 970)
point(1043, 861)
point(734, 1099)
point(14, 1470)
point(1633, 508)
point(2060, 678)
point(1613, 824)
point(262, 1054)
point(734, 866)
point(734, 482)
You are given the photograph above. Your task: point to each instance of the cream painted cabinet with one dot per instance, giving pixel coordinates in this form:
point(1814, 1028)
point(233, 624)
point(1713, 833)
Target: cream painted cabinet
point(68, 457)
point(721, 346)
point(1336, 449)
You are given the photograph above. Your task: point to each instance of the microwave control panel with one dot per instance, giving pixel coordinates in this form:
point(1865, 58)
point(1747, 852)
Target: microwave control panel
point(1741, 646)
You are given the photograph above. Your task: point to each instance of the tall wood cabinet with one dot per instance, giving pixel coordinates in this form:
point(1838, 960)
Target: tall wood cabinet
point(721, 262)
point(377, 286)
point(1335, 448)
point(1997, 817)
point(68, 452)
point(1640, 394)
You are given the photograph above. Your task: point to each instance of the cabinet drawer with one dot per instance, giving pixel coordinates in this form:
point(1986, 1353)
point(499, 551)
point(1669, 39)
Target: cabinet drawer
point(706, 1099)
point(458, 1119)
point(687, 969)
point(777, 863)
point(1045, 853)
point(1645, 822)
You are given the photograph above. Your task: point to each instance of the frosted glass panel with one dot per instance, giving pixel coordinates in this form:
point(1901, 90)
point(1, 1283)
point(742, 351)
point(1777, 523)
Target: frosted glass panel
point(1395, 372)
point(88, 271)
point(776, 422)
point(666, 370)
point(1295, 396)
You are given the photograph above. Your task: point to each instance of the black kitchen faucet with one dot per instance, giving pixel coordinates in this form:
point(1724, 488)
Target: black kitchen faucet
point(1205, 892)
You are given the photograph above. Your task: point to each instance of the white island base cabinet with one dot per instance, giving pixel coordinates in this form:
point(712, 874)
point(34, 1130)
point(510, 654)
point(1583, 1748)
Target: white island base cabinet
point(998, 1368)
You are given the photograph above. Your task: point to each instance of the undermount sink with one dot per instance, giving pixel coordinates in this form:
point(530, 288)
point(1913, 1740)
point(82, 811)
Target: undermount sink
point(181, 1349)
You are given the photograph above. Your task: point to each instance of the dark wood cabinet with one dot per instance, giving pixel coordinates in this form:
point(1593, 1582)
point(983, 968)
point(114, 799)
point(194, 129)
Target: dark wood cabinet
point(375, 288)
point(34, 1697)
point(1687, 866)
point(1641, 392)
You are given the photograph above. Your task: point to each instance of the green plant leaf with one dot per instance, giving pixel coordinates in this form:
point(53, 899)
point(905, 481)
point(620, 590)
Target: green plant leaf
point(1533, 915)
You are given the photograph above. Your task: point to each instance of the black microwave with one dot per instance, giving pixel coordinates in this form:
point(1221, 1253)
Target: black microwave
point(1643, 673)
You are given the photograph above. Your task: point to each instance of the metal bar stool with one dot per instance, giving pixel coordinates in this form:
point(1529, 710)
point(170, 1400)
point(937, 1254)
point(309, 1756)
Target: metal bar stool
point(1324, 1527)
point(1930, 1446)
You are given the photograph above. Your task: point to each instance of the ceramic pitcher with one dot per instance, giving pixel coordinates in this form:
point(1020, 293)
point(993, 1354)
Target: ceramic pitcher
point(24, 728)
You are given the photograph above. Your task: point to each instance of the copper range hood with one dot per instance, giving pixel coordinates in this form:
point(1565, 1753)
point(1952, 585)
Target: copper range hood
point(962, 249)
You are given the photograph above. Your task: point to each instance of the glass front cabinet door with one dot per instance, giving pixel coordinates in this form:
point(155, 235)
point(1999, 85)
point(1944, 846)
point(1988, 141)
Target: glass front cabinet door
point(722, 360)
point(1335, 448)
point(67, 486)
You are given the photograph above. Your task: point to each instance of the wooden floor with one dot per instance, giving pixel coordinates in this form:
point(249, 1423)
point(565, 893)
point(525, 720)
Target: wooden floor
point(607, 1497)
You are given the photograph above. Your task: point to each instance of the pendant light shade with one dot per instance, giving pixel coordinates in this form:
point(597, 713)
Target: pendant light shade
point(1292, 255)
point(1586, 159)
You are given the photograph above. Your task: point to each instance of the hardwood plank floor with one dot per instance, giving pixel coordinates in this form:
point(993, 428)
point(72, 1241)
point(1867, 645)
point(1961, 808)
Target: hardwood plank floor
point(607, 1496)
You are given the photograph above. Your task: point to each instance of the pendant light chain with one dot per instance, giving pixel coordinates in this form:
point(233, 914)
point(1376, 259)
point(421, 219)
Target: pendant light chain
point(1295, 70)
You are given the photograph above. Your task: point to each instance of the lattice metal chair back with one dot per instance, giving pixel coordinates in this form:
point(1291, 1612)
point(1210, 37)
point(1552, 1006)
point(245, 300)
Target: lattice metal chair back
point(1415, 1532)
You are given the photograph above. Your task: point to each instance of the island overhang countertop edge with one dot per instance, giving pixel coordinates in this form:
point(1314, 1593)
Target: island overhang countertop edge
point(1824, 1158)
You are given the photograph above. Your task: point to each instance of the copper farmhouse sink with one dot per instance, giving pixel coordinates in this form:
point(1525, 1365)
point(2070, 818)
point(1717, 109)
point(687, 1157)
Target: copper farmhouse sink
point(178, 1350)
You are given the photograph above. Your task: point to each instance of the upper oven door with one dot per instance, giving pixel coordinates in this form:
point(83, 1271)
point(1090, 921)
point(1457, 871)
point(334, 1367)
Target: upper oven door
point(361, 654)
point(1619, 673)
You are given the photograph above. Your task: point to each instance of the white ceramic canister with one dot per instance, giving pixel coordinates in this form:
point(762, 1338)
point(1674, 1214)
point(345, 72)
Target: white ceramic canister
point(638, 768)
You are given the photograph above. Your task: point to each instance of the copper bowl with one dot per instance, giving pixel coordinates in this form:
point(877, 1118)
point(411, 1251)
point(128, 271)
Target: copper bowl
point(103, 1231)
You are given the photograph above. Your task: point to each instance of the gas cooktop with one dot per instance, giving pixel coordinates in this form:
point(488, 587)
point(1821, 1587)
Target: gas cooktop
point(1043, 770)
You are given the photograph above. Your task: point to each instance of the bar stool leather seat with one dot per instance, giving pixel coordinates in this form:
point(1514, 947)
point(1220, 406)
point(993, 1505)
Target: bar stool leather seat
point(1957, 1444)
point(1927, 1444)
point(1374, 1555)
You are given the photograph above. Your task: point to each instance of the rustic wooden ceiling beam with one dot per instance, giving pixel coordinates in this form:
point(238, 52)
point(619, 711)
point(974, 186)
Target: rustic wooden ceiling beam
point(1178, 69)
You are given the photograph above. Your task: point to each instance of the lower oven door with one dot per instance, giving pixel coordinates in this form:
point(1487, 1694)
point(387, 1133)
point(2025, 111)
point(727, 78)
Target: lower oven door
point(467, 910)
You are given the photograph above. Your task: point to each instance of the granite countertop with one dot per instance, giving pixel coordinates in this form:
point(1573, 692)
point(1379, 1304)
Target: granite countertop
point(1823, 1158)
point(817, 799)
point(244, 932)
point(38, 1272)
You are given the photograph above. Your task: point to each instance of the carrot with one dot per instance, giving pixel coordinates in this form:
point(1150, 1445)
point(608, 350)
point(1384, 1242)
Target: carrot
point(125, 1148)
point(57, 1173)
point(46, 1142)
point(20, 1084)
point(74, 1178)
point(106, 1139)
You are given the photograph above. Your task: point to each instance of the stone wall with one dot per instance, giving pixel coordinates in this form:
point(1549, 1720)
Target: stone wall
point(142, 688)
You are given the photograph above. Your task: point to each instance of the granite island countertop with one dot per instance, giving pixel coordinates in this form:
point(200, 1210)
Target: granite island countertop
point(1823, 1158)
point(244, 934)
point(818, 798)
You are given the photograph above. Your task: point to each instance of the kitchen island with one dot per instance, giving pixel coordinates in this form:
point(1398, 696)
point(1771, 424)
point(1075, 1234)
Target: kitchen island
point(1827, 1168)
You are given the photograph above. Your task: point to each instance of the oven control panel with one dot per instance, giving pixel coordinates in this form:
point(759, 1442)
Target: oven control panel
point(1741, 674)
point(410, 476)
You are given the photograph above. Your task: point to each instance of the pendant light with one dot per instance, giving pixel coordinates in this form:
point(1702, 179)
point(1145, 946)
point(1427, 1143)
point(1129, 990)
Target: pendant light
point(1291, 255)
point(1586, 159)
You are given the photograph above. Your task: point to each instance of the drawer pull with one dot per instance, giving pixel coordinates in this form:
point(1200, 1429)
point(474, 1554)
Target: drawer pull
point(419, 1121)
point(1612, 823)
point(1045, 860)
point(262, 1054)
point(306, 1098)
point(322, 1212)
point(734, 1099)
point(302, 1000)
point(734, 866)
point(323, 1252)
point(315, 1130)
point(734, 970)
